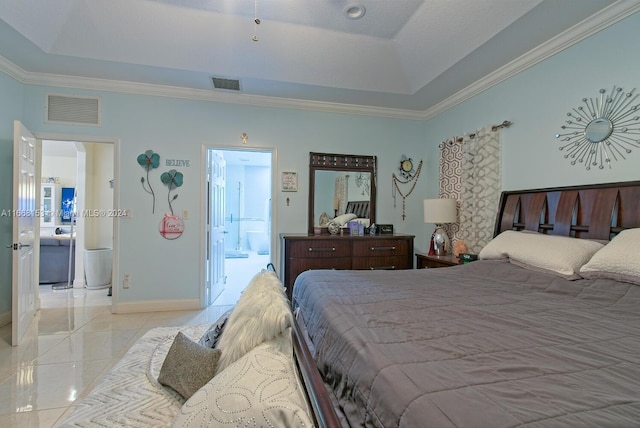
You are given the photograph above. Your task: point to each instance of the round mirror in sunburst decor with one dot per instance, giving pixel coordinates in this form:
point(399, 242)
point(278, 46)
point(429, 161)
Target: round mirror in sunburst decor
point(606, 127)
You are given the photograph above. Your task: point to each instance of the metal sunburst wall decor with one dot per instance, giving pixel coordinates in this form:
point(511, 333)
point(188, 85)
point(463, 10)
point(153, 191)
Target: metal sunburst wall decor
point(605, 127)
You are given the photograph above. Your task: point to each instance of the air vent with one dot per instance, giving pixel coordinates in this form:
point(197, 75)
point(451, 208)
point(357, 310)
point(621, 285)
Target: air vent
point(73, 110)
point(228, 84)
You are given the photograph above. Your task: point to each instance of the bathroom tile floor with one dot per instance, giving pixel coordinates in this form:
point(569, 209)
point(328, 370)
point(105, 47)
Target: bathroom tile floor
point(73, 342)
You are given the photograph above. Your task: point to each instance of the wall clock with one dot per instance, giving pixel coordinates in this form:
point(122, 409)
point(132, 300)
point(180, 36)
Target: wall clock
point(409, 177)
point(406, 167)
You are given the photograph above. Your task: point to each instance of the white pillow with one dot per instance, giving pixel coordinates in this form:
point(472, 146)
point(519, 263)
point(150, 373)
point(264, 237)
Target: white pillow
point(262, 313)
point(260, 389)
point(344, 219)
point(558, 255)
point(619, 259)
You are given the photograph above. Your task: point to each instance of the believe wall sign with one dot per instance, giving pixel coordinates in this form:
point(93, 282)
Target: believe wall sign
point(178, 162)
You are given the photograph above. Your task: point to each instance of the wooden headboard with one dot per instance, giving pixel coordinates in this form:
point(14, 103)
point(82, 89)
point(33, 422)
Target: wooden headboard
point(597, 211)
point(359, 208)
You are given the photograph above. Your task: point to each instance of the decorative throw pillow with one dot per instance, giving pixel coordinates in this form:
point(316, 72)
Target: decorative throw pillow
point(344, 218)
point(618, 260)
point(211, 337)
point(261, 388)
point(188, 366)
point(558, 255)
point(262, 313)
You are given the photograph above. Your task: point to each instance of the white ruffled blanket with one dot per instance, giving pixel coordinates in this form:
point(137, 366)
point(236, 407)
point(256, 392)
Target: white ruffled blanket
point(130, 395)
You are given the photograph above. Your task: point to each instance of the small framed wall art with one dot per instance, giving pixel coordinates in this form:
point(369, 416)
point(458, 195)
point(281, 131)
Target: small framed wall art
point(289, 181)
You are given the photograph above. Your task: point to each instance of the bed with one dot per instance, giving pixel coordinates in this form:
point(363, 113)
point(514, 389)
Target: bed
point(359, 208)
point(543, 331)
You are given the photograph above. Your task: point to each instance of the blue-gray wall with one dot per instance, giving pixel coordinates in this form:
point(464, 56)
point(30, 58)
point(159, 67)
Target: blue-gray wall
point(536, 100)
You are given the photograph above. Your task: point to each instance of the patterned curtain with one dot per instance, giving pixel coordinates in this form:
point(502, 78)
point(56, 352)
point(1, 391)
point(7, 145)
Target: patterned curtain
point(451, 180)
point(341, 193)
point(471, 172)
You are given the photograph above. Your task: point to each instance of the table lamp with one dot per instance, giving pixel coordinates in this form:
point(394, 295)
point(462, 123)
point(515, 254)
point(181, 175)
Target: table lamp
point(438, 212)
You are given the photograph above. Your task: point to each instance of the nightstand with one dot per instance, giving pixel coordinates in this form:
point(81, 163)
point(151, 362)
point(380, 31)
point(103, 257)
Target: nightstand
point(426, 261)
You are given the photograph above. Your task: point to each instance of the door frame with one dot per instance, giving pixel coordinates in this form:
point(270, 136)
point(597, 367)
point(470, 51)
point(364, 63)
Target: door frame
point(203, 209)
point(116, 198)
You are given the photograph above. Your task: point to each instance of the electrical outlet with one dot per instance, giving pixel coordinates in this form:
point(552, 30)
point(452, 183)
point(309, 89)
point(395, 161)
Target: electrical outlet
point(126, 283)
point(185, 214)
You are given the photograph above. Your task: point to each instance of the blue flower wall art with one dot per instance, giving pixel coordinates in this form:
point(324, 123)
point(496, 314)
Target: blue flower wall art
point(149, 160)
point(173, 179)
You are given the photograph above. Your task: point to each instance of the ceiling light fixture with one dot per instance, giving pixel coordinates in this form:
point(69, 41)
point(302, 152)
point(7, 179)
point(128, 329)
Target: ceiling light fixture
point(256, 21)
point(354, 11)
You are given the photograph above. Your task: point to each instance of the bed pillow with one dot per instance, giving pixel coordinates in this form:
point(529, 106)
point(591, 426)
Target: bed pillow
point(344, 218)
point(262, 313)
point(619, 259)
point(558, 255)
point(261, 388)
point(188, 366)
point(211, 337)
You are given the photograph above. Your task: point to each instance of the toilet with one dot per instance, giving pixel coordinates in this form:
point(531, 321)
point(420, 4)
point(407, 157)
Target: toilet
point(97, 266)
point(258, 241)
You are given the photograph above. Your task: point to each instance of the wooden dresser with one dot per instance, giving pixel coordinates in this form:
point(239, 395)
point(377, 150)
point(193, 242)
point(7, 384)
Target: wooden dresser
point(305, 252)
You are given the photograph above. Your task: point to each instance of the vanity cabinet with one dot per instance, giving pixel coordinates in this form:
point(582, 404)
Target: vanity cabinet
point(305, 252)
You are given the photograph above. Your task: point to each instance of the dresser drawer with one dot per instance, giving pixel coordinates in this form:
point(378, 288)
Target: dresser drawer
point(381, 248)
point(301, 265)
point(320, 248)
point(373, 263)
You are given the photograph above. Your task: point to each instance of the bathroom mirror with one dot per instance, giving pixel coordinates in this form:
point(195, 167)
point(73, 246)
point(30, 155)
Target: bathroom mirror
point(340, 184)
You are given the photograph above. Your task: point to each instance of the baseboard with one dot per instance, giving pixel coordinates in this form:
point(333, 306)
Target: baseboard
point(157, 306)
point(5, 318)
point(79, 283)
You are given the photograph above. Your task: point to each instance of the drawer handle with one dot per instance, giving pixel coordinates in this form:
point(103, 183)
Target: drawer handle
point(393, 248)
point(322, 249)
point(391, 267)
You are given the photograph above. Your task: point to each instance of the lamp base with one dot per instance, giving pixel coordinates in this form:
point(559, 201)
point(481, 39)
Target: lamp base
point(440, 242)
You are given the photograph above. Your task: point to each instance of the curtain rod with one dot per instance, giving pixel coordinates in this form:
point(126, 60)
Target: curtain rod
point(494, 128)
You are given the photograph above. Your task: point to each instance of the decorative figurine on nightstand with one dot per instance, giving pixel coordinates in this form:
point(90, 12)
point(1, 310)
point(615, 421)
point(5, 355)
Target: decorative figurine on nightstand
point(459, 247)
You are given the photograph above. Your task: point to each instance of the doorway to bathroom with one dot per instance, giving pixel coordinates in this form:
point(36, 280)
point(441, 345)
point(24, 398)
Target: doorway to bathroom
point(76, 260)
point(239, 219)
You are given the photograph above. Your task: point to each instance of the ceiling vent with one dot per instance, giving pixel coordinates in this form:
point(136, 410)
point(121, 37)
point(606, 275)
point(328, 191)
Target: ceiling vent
point(73, 110)
point(227, 84)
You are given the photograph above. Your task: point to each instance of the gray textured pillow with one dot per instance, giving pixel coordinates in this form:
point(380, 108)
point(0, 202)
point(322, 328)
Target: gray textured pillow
point(188, 366)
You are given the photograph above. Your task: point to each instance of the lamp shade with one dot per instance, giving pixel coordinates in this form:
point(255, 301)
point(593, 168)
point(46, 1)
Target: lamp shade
point(439, 211)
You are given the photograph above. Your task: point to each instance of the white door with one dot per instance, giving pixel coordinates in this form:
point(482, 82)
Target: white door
point(215, 225)
point(24, 281)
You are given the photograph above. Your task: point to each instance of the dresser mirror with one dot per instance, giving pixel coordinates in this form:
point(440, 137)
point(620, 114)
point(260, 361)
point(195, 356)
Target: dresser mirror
point(341, 184)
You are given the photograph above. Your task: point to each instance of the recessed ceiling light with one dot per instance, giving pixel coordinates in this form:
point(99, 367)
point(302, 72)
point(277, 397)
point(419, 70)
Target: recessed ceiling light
point(354, 11)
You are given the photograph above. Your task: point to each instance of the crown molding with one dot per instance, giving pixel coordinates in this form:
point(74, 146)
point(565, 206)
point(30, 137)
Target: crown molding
point(577, 33)
point(607, 17)
point(79, 82)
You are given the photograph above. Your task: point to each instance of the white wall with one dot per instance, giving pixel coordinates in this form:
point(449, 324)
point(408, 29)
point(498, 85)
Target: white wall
point(63, 167)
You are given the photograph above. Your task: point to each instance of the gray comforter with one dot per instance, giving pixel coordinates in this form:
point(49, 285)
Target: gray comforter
point(487, 344)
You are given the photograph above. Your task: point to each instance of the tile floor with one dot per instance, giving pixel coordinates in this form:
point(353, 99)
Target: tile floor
point(72, 343)
point(239, 272)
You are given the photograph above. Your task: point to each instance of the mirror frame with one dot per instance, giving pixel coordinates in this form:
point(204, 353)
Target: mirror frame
point(340, 162)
